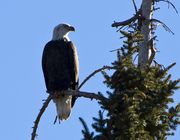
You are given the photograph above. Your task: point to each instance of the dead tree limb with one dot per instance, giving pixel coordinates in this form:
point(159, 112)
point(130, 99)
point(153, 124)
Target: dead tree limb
point(169, 3)
point(163, 25)
point(135, 7)
point(73, 93)
point(85, 94)
point(93, 73)
point(127, 22)
point(36, 122)
point(50, 97)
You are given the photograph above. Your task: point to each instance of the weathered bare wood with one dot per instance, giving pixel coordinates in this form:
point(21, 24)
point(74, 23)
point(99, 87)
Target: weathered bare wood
point(144, 50)
point(36, 122)
point(128, 21)
point(135, 7)
point(73, 93)
point(93, 73)
point(50, 97)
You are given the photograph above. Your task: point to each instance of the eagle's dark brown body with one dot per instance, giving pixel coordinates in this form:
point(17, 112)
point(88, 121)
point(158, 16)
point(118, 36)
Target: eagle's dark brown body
point(59, 64)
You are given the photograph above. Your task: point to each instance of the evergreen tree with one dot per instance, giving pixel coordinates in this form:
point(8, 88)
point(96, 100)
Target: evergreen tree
point(138, 104)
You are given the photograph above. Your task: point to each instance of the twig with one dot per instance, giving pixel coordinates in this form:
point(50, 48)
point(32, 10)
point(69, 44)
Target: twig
point(163, 25)
point(92, 74)
point(135, 7)
point(45, 104)
point(167, 1)
point(135, 58)
point(115, 50)
point(55, 120)
point(127, 22)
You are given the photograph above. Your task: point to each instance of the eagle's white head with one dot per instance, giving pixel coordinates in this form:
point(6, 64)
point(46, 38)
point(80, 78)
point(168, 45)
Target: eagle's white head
point(61, 31)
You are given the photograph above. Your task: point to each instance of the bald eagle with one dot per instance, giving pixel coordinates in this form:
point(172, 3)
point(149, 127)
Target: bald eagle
point(61, 69)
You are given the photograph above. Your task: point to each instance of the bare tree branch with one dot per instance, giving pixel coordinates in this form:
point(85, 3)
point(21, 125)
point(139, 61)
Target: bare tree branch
point(127, 22)
point(93, 73)
point(135, 7)
point(163, 25)
point(50, 97)
point(71, 92)
point(169, 3)
point(45, 104)
point(85, 94)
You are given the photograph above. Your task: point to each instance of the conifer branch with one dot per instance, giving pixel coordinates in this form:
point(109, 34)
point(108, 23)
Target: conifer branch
point(86, 132)
point(169, 67)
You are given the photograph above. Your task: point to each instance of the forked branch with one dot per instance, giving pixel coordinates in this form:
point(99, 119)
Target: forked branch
point(127, 22)
point(73, 93)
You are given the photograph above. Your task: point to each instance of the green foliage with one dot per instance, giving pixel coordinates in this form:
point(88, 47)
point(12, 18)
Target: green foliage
point(138, 108)
point(87, 135)
point(139, 102)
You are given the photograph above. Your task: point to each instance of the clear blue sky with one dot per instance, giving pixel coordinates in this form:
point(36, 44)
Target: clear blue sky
point(26, 26)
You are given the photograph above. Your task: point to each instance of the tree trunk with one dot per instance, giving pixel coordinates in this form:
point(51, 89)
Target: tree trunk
point(144, 50)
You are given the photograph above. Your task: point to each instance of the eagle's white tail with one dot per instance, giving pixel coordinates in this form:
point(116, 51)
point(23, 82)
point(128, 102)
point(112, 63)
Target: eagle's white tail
point(63, 105)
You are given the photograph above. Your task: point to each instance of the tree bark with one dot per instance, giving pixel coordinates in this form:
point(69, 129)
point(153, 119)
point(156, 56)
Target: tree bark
point(144, 50)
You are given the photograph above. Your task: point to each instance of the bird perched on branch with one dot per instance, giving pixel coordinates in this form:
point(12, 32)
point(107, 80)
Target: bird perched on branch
point(61, 69)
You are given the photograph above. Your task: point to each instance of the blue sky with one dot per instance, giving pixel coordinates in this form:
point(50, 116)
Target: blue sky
point(26, 26)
